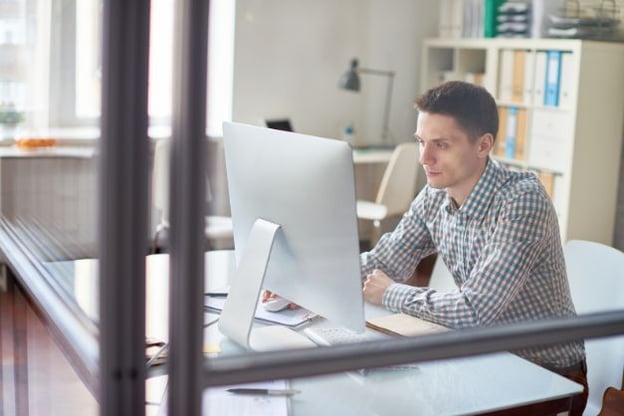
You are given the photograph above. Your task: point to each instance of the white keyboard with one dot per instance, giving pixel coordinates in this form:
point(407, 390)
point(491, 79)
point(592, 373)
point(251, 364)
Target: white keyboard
point(326, 336)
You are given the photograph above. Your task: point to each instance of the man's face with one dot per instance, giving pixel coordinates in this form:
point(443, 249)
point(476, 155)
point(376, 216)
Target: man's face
point(450, 159)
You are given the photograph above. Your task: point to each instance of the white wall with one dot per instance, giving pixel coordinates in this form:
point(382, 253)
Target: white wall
point(289, 55)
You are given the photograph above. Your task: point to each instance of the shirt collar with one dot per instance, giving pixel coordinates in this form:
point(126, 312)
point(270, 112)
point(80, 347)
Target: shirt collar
point(478, 201)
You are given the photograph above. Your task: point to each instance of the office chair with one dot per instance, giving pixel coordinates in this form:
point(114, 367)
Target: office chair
point(596, 276)
point(218, 229)
point(396, 191)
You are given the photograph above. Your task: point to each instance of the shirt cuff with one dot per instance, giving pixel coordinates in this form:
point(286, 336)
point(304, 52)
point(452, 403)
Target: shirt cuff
point(395, 295)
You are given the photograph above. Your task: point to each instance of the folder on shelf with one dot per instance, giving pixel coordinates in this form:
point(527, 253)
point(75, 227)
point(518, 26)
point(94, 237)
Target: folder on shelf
point(457, 18)
point(553, 77)
point(566, 79)
point(505, 75)
point(521, 134)
point(499, 145)
point(517, 77)
point(490, 12)
point(446, 7)
point(539, 78)
point(548, 182)
point(529, 70)
point(510, 136)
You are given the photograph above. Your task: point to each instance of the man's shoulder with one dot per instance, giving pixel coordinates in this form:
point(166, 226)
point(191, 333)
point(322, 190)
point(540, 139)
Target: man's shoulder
point(524, 188)
point(517, 183)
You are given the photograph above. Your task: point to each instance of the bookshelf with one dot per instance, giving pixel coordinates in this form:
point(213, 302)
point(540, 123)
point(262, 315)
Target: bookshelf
point(561, 106)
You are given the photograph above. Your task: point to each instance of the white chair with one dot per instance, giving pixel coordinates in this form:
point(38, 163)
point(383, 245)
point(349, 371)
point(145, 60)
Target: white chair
point(218, 229)
point(596, 275)
point(441, 278)
point(396, 190)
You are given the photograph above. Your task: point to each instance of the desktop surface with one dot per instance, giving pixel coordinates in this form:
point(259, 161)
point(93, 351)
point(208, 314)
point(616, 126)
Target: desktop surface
point(474, 385)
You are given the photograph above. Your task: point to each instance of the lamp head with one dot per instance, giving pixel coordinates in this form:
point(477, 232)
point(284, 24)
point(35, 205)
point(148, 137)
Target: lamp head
point(350, 80)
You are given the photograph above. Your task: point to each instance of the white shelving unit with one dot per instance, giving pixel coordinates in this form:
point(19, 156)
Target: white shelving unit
point(575, 142)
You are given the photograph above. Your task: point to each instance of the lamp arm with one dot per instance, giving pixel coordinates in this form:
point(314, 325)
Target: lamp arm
point(375, 72)
point(385, 134)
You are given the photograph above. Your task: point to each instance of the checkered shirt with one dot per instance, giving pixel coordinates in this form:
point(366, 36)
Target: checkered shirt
point(503, 248)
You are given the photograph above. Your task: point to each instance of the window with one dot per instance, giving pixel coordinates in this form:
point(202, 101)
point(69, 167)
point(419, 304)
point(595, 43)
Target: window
point(220, 50)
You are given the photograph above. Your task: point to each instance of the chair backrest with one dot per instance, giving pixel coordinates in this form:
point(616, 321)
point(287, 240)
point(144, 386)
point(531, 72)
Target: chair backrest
point(441, 278)
point(398, 184)
point(160, 180)
point(596, 276)
point(217, 199)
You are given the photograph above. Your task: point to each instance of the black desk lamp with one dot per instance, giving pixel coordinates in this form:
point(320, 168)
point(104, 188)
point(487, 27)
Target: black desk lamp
point(350, 81)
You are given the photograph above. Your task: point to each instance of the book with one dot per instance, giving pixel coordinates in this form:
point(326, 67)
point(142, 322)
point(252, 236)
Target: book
point(404, 325)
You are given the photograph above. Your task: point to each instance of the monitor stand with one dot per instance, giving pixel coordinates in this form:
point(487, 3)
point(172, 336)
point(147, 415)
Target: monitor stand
point(238, 312)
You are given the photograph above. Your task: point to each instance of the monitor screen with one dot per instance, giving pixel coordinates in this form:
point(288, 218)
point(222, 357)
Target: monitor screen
point(279, 124)
point(305, 185)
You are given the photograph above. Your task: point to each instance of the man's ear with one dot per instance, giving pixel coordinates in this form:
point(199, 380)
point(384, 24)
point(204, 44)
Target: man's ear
point(485, 144)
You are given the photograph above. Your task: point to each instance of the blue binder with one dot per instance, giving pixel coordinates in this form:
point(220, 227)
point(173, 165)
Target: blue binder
point(510, 134)
point(553, 78)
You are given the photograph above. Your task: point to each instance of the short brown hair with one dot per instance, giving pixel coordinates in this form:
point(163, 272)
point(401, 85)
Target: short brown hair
point(472, 107)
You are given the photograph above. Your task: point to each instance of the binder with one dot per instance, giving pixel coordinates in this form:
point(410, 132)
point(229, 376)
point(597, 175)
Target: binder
point(529, 70)
point(505, 74)
point(510, 136)
point(499, 144)
point(521, 134)
point(566, 80)
point(446, 8)
point(457, 18)
point(490, 11)
point(517, 82)
point(553, 78)
point(539, 78)
point(548, 182)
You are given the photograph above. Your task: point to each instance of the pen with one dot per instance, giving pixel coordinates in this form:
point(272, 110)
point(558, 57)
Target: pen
point(265, 392)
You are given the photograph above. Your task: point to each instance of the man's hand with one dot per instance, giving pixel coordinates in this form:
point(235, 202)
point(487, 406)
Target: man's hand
point(375, 285)
point(267, 294)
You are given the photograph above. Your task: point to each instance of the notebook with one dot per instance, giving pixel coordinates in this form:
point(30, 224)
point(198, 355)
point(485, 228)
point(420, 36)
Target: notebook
point(404, 325)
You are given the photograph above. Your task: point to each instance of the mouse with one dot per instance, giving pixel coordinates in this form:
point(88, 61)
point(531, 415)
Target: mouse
point(275, 304)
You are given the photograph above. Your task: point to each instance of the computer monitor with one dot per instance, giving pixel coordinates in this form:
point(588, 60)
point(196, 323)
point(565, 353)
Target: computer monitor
point(279, 124)
point(305, 186)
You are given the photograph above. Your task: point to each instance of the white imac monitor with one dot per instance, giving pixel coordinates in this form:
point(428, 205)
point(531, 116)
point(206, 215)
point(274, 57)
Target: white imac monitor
point(292, 198)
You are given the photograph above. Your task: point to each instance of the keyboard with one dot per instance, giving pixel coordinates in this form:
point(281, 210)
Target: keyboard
point(326, 336)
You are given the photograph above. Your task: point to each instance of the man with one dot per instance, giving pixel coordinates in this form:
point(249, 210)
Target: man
point(496, 230)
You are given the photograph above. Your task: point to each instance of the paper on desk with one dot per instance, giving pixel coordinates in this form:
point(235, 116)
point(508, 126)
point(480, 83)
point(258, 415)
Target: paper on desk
point(218, 401)
point(404, 325)
point(288, 317)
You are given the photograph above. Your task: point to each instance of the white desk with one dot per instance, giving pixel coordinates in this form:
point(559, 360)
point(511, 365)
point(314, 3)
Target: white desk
point(371, 156)
point(473, 385)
